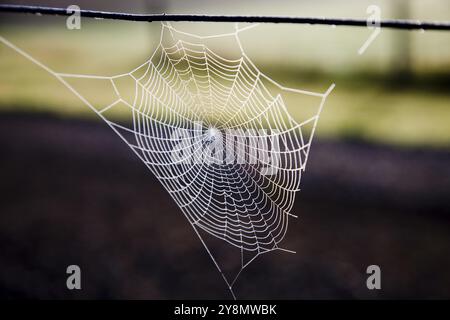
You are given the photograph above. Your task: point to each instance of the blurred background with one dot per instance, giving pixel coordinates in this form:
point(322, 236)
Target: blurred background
point(376, 190)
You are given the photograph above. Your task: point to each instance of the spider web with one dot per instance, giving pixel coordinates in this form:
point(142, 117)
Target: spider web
point(187, 88)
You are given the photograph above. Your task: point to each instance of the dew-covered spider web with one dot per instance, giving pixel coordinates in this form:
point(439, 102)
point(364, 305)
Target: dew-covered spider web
point(188, 100)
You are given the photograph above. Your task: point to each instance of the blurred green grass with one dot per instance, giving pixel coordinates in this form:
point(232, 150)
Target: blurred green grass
point(368, 103)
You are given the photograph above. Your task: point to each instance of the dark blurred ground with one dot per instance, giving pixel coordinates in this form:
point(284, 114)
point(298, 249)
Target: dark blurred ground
point(73, 193)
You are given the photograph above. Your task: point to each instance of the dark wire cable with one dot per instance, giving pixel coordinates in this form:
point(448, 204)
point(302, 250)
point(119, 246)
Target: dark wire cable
point(395, 24)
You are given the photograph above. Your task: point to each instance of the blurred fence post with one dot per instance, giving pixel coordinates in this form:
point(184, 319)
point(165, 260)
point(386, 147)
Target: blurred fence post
point(401, 43)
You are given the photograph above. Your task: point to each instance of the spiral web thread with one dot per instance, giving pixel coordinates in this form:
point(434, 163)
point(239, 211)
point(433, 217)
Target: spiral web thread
point(185, 85)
